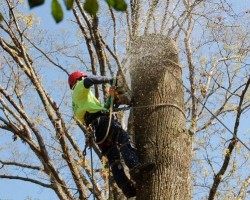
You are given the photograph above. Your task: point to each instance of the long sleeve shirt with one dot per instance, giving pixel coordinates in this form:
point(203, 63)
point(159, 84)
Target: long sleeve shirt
point(93, 80)
point(83, 100)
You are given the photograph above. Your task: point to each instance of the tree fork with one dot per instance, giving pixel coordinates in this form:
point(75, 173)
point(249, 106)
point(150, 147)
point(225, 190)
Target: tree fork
point(159, 124)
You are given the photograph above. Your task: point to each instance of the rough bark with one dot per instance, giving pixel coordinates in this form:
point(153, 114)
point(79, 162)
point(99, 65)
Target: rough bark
point(159, 119)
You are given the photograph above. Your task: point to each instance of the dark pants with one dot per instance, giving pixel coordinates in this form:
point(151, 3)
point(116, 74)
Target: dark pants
point(116, 144)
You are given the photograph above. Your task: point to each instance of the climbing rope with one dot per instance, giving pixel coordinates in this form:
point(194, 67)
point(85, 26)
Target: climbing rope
point(148, 106)
point(106, 135)
point(111, 104)
point(112, 95)
point(109, 185)
point(89, 144)
point(104, 138)
point(110, 119)
point(92, 171)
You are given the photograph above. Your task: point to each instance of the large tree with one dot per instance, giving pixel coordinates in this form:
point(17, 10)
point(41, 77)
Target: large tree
point(159, 118)
point(211, 39)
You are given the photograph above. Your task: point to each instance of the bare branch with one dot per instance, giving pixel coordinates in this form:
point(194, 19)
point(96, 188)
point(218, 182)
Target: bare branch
point(21, 165)
point(27, 179)
point(46, 55)
point(150, 15)
point(135, 18)
point(243, 190)
point(194, 116)
point(230, 148)
point(163, 22)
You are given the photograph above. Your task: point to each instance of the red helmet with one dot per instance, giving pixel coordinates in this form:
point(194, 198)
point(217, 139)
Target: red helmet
point(74, 77)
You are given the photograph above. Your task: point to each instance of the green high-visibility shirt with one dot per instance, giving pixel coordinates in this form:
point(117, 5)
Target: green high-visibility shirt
point(83, 100)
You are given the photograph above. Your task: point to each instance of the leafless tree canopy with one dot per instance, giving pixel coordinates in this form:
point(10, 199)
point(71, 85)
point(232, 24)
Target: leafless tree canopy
point(41, 143)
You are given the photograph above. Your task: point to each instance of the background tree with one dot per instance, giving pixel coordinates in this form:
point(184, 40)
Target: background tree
point(213, 44)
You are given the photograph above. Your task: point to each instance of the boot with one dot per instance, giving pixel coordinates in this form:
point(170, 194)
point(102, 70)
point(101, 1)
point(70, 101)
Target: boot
point(129, 190)
point(137, 171)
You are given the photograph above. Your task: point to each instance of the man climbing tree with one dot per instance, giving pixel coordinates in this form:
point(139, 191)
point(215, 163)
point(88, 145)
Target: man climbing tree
point(109, 135)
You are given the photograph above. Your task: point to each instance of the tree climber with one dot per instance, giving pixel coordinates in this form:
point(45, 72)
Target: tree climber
point(113, 143)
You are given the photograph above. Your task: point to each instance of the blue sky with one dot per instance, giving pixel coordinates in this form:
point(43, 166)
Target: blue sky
point(19, 190)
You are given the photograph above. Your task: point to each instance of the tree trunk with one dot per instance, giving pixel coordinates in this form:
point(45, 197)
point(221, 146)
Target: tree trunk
point(159, 119)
